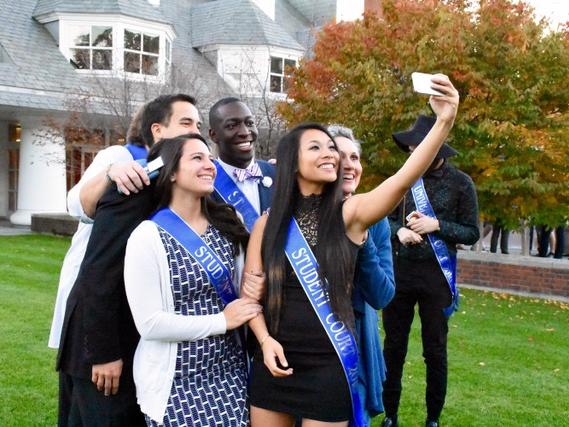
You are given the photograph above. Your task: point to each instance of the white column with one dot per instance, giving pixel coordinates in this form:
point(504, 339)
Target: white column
point(3, 169)
point(41, 185)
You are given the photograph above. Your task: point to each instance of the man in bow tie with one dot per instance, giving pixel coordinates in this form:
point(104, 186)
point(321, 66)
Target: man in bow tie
point(233, 130)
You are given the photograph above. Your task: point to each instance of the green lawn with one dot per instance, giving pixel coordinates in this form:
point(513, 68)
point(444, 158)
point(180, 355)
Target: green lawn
point(508, 356)
point(29, 274)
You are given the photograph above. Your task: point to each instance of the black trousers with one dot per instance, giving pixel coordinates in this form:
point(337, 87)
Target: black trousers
point(504, 235)
point(81, 404)
point(417, 283)
point(543, 233)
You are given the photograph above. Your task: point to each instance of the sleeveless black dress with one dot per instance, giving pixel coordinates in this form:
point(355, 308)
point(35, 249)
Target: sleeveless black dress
point(318, 388)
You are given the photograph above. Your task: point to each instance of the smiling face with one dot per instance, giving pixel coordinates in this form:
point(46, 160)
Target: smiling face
point(184, 119)
point(351, 165)
point(235, 134)
point(318, 161)
point(196, 171)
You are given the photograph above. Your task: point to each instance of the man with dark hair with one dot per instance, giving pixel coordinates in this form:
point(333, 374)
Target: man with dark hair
point(164, 117)
point(439, 212)
point(99, 337)
point(241, 180)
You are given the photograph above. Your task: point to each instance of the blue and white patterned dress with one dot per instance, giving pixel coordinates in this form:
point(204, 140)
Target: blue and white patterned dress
point(210, 381)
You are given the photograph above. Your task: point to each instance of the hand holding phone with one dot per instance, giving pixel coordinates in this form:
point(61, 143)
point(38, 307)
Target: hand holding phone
point(422, 84)
point(411, 216)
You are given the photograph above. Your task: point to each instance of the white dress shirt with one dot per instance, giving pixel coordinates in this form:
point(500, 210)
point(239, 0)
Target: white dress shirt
point(74, 257)
point(249, 187)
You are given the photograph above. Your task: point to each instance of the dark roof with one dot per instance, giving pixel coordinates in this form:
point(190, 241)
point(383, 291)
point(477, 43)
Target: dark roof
point(136, 8)
point(295, 23)
point(236, 22)
point(36, 66)
point(209, 85)
point(34, 73)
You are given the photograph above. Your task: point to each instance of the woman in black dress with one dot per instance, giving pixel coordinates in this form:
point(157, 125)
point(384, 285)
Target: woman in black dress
point(296, 372)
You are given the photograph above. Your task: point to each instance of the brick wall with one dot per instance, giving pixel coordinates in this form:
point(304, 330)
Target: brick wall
point(61, 224)
point(544, 276)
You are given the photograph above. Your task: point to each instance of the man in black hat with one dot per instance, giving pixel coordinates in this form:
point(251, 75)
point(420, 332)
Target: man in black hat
point(438, 213)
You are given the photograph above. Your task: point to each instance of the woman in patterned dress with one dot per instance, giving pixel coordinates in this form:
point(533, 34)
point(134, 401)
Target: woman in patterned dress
point(296, 373)
point(189, 366)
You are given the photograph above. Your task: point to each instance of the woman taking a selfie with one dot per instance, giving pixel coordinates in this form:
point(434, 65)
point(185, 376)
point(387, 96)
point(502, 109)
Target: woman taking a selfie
point(308, 366)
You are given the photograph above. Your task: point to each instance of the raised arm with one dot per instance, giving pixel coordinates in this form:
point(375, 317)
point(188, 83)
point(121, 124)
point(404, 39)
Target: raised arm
point(363, 210)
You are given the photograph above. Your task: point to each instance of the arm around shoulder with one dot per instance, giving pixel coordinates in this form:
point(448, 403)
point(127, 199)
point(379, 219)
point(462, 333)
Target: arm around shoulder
point(82, 203)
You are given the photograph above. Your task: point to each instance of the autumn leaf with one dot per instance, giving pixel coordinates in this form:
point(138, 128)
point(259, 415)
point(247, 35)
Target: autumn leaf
point(512, 128)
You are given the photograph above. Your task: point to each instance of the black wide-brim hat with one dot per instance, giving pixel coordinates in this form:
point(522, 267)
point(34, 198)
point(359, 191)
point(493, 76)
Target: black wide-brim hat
point(417, 133)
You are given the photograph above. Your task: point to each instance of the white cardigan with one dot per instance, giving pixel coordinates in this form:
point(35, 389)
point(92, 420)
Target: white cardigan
point(147, 282)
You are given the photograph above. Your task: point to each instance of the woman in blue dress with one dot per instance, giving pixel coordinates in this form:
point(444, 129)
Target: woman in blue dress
point(189, 366)
point(374, 284)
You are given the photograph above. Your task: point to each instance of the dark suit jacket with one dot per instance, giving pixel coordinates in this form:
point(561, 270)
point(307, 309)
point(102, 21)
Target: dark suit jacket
point(98, 326)
point(265, 193)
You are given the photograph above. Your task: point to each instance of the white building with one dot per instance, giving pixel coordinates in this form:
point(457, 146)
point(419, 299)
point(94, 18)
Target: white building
point(56, 52)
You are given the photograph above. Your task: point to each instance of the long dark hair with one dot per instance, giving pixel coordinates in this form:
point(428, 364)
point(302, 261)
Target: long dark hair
point(222, 216)
point(333, 250)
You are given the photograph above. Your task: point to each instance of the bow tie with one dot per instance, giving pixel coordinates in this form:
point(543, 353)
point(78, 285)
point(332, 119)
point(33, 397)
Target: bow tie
point(252, 172)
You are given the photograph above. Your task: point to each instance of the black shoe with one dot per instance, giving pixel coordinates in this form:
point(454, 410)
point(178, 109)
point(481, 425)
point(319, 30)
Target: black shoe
point(431, 423)
point(389, 422)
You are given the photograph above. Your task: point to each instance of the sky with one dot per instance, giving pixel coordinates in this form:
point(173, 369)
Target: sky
point(556, 10)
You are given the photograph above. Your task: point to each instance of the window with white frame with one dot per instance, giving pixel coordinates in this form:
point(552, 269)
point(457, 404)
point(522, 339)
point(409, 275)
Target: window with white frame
point(280, 70)
point(168, 51)
point(141, 53)
point(92, 47)
point(168, 55)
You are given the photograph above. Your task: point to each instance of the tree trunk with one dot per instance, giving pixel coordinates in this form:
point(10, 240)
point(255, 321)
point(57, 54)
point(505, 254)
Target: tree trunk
point(525, 241)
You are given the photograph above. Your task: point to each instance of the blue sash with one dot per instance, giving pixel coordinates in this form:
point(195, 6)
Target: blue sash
point(305, 266)
point(218, 274)
point(231, 194)
point(445, 259)
point(136, 151)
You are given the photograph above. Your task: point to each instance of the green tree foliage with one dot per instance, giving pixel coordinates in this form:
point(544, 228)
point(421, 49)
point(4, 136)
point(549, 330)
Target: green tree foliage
point(512, 129)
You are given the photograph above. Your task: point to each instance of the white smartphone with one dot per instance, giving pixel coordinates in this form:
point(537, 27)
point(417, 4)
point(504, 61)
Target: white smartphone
point(422, 84)
point(412, 215)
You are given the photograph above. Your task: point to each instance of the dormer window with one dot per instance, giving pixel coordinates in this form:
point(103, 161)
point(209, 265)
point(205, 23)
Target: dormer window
point(141, 53)
point(117, 46)
point(280, 70)
point(92, 47)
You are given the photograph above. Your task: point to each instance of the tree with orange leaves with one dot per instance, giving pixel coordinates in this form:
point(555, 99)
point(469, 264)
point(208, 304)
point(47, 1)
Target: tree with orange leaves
point(512, 71)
